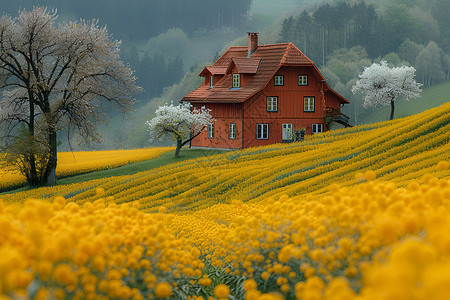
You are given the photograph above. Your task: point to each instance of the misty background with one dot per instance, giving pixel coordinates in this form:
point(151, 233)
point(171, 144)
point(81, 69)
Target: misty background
point(167, 43)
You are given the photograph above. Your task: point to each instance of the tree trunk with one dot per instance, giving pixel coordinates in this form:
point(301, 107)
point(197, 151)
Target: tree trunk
point(179, 145)
point(49, 177)
point(392, 110)
point(33, 178)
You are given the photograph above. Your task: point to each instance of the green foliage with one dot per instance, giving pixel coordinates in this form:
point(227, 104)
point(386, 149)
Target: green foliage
point(172, 43)
point(331, 27)
point(409, 50)
point(380, 28)
point(429, 64)
point(399, 24)
point(393, 59)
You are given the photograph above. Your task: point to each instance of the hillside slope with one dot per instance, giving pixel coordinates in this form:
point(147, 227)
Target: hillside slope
point(431, 97)
point(399, 151)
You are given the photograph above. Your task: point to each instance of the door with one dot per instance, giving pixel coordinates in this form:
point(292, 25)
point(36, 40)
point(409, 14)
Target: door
point(287, 132)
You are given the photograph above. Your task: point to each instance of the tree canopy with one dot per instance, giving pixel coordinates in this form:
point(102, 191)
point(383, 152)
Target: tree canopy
point(181, 122)
point(58, 76)
point(382, 85)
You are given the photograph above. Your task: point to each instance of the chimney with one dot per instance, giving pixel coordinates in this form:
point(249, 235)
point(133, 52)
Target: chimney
point(252, 43)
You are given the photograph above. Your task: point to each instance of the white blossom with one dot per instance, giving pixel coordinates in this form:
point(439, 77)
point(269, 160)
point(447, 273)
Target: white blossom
point(59, 75)
point(179, 122)
point(382, 85)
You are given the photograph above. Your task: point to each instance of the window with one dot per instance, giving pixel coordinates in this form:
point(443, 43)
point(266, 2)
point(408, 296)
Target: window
point(236, 80)
point(308, 103)
point(211, 81)
point(211, 131)
point(317, 128)
point(262, 131)
point(272, 103)
point(232, 131)
point(279, 80)
point(302, 79)
point(287, 132)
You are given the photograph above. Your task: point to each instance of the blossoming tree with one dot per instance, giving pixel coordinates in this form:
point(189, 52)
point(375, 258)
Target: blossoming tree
point(57, 76)
point(181, 122)
point(382, 85)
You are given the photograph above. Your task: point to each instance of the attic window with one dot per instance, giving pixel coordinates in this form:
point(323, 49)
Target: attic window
point(236, 80)
point(302, 79)
point(211, 81)
point(279, 80)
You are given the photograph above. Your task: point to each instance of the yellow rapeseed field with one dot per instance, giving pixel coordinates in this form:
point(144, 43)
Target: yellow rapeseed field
point(71, 163)
point(361, 213)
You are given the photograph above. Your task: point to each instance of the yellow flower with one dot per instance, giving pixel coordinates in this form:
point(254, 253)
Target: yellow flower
point(98, 263)
point(252, 294)
point(370, 175)
point(221, 291)
point(100, 192)
point(271, 296)
point(44, 269)
point(250, 284)
point(265, 275)
point(442, 165)
point(64, 274)
point(163, 290)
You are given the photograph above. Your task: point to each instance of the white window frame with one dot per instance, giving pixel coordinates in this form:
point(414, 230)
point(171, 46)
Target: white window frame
point(232, 131)
point(302, 80)
point(262, 131)
point(279, 80)
point(309, 103)
point(317, 128)
point(272, 103)
point(236, 80)
point(211, 131)
point(287, 126)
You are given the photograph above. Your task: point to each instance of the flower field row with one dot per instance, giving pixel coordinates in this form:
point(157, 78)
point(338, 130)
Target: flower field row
point(71, 163)
point(401, 151)
point(369, 241)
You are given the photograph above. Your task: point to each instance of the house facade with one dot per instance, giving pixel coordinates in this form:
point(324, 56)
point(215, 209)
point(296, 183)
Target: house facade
point(263, 94)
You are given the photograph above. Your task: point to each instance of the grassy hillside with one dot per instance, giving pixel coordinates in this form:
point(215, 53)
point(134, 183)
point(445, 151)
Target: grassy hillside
point(399, 151)
point(430, 97)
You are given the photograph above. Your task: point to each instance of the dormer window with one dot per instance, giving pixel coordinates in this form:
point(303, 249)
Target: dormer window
point(236, 80)
point(211, 81)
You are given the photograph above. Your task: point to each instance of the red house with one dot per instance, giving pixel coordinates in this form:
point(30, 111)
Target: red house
point(262, 94)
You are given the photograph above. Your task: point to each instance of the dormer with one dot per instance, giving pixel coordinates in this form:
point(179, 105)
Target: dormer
point(213, 74)
point(242, 70)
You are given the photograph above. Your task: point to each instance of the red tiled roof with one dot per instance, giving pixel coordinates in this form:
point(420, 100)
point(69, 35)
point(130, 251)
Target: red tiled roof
point(214, 70)
point(246, 65)
point(263, 63)
point(293, 56)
